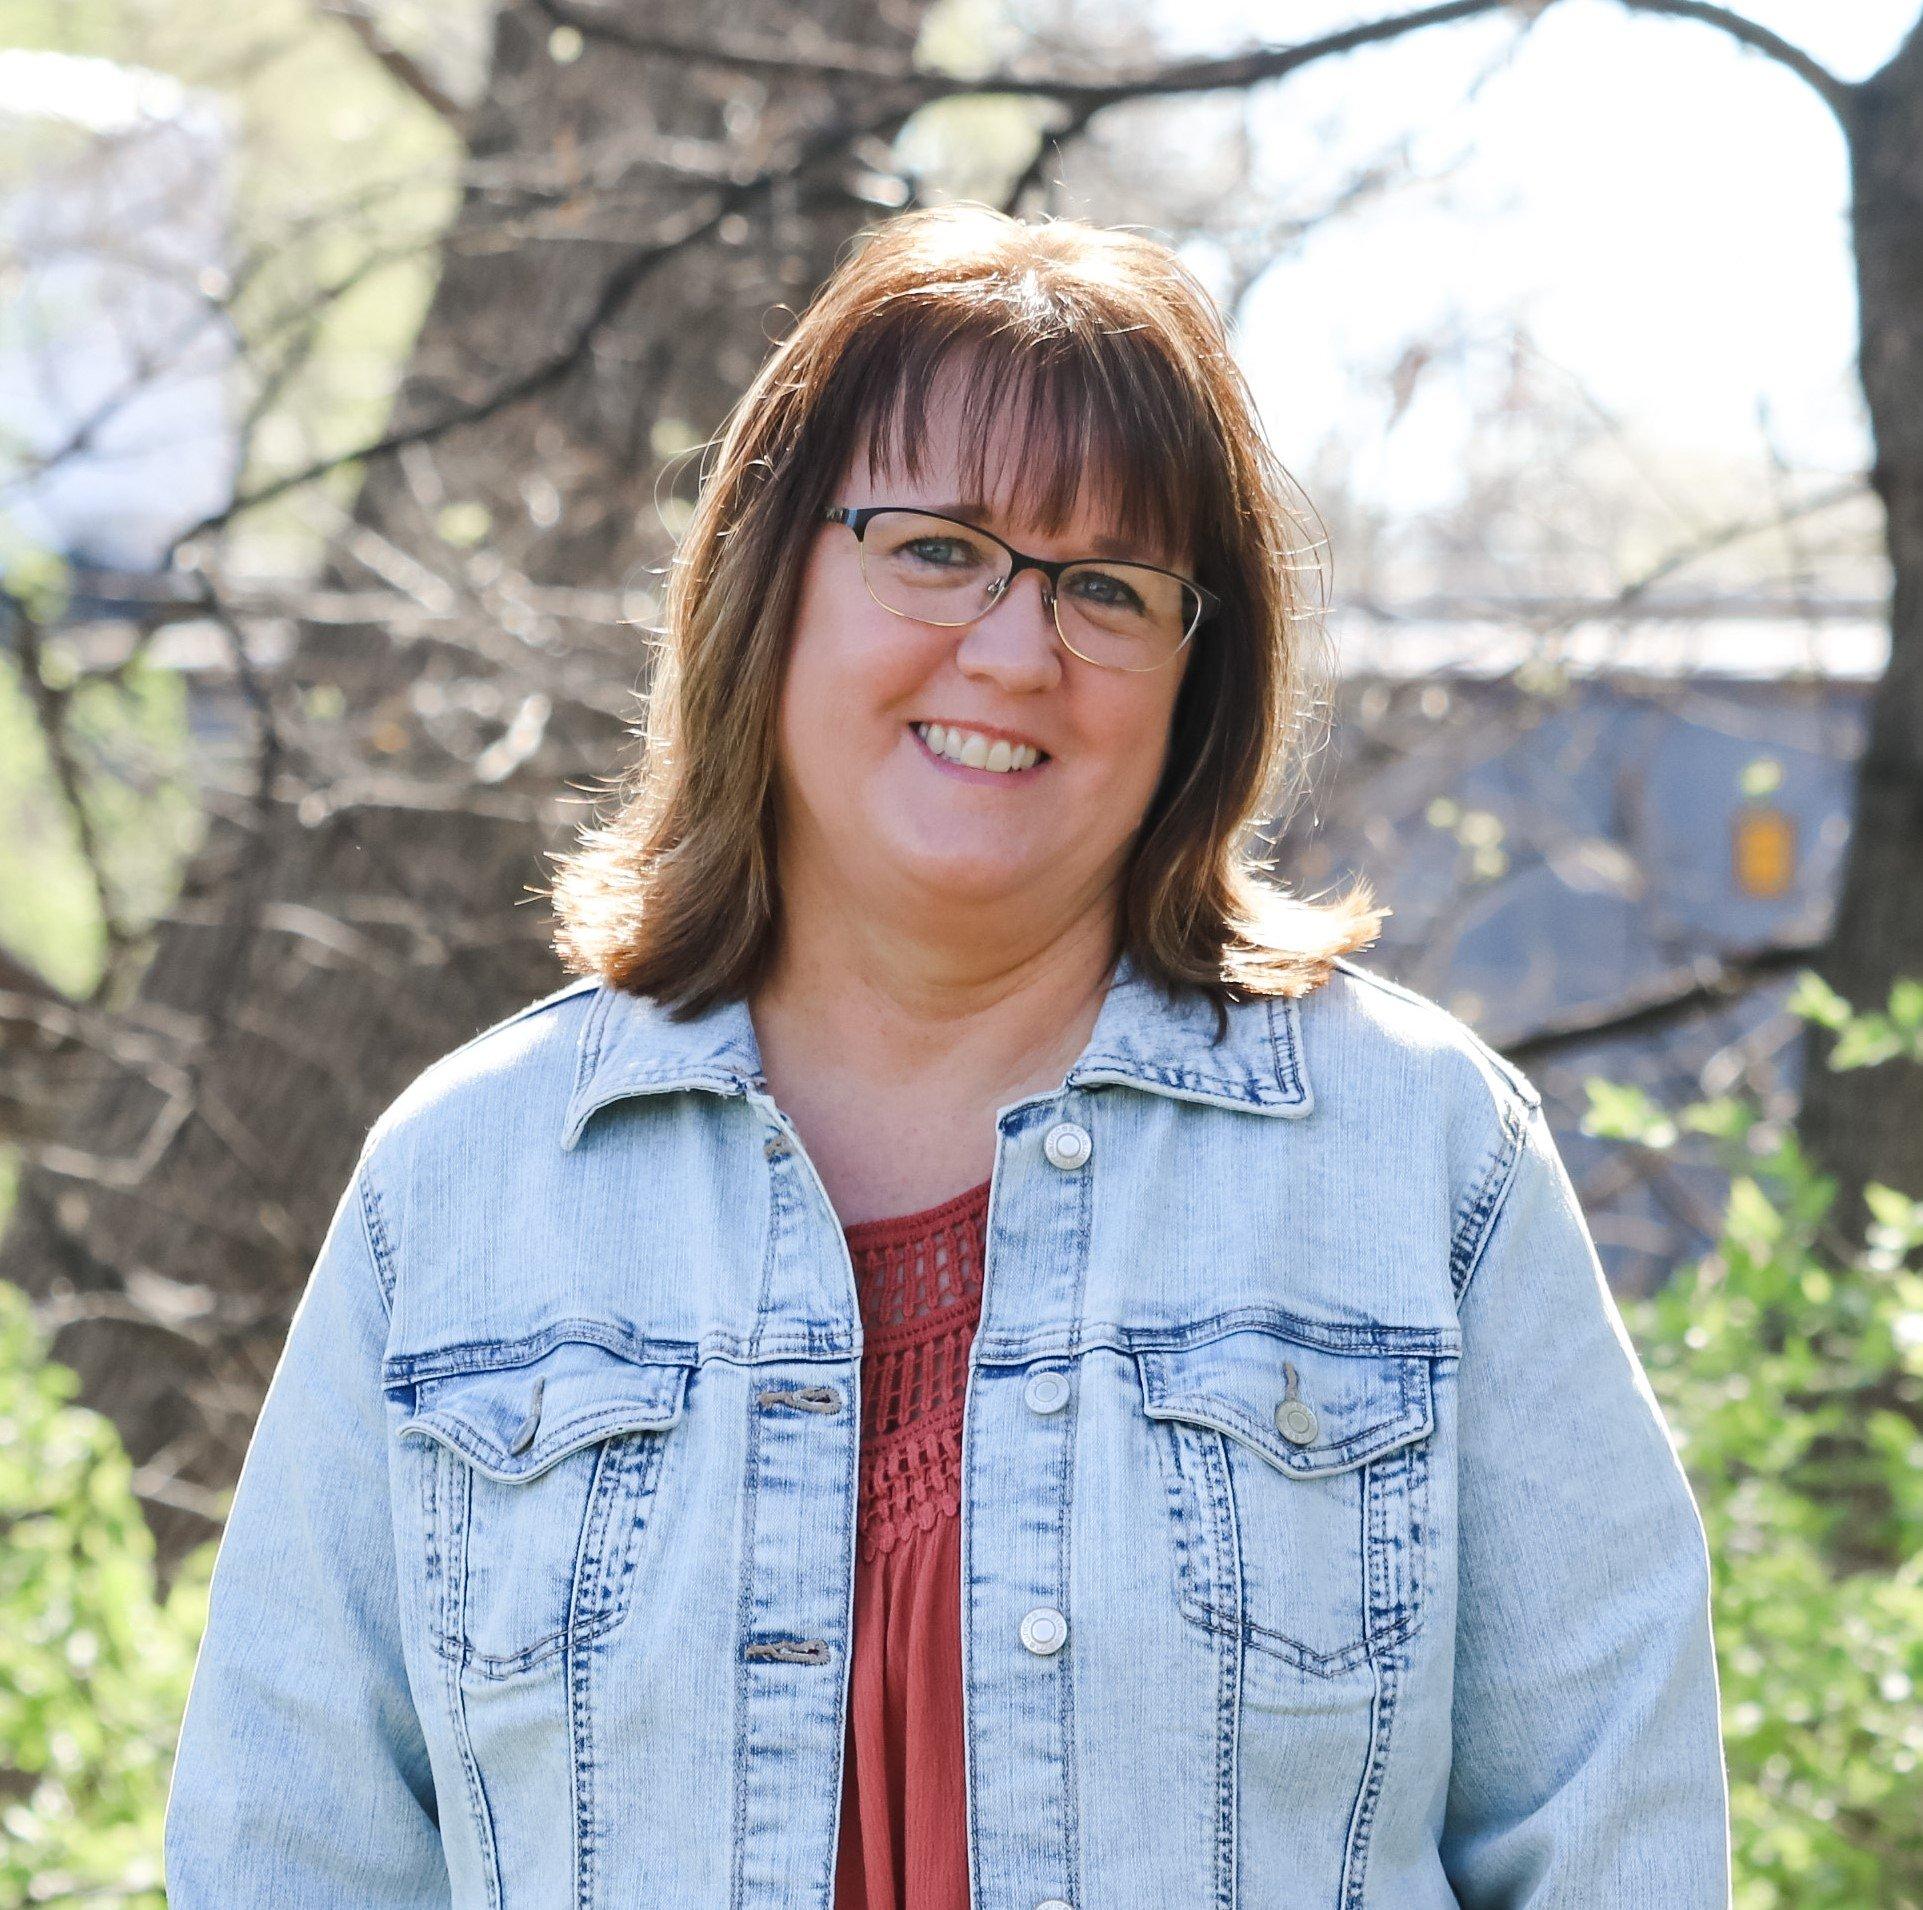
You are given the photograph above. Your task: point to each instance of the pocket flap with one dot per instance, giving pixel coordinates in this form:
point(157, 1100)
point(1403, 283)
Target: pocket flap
point(513, 1422)
point(1360, 1404)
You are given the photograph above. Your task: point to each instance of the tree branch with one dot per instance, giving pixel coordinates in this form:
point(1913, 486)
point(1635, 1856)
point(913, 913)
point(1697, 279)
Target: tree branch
point(620, 285)
point(1710, 982)
point(1213, 73)
point(1834, 92)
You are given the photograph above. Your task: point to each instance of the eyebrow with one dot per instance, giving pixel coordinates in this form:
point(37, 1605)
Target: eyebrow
point(1104, 546)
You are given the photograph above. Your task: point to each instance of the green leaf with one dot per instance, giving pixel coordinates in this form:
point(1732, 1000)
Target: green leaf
point(1815, 1000)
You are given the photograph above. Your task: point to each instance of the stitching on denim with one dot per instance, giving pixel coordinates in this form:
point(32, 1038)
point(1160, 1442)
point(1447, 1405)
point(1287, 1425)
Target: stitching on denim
point(1377, 1565)
point(632, 1468)
point(1491, 1196)
point(581, 1772)
point(482, 1813)
point(576, 1656)
point(1229, 1651)
point(433, 1552)
point(1170, 1074)
point(1412, 1379)
point(622, 1489)
point(1175, 1448)
point(1385, 1671)
point(587, 1055)
point(784, 1206)
point(1368, 1337)
point(1217, 1602)
point(1284, 1044)
point(1225, 1584)
point(486, 1356)
point(1277, 1647)
point(374, 1231)
point(1471, 1210)
point(587, 1426)
point(1416, 1557)
point(812, 1340)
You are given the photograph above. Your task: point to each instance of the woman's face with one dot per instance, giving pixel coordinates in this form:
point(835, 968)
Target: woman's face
point(870, 817)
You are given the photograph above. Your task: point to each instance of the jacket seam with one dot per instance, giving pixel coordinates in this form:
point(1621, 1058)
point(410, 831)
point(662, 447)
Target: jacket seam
point(374, 1231)
point(1488, 1197)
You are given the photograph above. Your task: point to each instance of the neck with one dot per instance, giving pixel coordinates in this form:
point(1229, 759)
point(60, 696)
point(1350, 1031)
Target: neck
point(848, 999)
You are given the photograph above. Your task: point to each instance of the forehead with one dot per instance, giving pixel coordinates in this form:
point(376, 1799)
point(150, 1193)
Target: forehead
point(1021, 447)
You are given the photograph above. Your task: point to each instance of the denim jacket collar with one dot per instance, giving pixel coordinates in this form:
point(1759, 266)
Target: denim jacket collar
point(1142, 1038)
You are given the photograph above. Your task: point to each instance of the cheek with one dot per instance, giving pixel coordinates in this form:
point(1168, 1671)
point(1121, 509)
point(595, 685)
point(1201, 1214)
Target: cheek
point(852, 676)
point(1130, 737)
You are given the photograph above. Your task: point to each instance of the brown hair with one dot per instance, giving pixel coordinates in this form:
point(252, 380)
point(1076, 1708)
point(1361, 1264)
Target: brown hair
point(1126, 366)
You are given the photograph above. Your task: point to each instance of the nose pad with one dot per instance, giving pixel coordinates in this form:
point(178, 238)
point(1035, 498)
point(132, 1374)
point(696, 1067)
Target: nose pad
point(1000, 588)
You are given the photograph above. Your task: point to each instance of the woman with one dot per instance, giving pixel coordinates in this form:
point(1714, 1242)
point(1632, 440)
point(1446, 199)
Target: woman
point(973, 1356)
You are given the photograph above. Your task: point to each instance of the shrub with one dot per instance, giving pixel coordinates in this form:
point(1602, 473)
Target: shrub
point(1794, 1387)
point(94, 1665)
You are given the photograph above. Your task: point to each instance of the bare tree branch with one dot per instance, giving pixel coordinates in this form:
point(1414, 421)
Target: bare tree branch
point(1212, 73)
point(619, 286)
point(1710, 982)
point(1834, 92)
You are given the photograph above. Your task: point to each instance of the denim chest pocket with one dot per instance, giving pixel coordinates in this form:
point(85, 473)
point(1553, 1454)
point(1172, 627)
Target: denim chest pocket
point(1298, 1483)
point(536, 1482)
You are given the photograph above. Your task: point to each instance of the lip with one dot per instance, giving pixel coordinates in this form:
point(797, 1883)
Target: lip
point(976, 775)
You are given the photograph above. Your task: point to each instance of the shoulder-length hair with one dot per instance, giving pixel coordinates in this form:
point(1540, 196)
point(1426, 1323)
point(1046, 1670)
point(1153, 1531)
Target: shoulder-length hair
point(1124, 364)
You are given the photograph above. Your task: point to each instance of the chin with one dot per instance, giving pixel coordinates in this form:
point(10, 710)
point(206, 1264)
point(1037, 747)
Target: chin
point(962, 877)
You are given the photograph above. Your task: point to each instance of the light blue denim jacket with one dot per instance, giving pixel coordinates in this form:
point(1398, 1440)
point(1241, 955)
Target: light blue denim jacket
point(1322, 1542)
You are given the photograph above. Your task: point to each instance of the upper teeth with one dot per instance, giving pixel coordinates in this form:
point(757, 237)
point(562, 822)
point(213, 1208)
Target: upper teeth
point(975, 750)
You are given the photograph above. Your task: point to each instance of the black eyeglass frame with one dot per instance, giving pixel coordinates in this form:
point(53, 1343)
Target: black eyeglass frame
point(856, 517)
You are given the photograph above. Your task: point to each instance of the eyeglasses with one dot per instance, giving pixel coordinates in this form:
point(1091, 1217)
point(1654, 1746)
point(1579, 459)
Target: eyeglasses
point(941, 570)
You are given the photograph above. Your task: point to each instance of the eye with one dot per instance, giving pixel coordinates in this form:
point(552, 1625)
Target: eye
point(1108, 589)
point(922, 548)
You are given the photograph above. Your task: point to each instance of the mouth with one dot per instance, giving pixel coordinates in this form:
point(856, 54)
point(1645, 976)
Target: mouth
point(976, 756)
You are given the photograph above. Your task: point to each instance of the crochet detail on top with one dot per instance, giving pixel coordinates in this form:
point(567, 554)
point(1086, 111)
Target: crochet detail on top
point(919, 1279)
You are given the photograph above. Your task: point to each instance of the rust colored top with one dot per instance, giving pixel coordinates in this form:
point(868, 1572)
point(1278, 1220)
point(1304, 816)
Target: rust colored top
point(904, 1812)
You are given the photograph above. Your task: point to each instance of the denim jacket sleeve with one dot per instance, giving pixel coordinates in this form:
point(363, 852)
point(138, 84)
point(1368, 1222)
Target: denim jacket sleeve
point(1588, 1765)
point(301, 1776)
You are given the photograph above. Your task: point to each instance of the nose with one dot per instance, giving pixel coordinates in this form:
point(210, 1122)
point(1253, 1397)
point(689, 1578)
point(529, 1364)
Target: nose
point(1016, 647)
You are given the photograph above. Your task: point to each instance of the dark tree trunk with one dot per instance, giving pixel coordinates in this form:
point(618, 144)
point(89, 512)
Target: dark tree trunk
point(1868, 1125)
point(377, 911)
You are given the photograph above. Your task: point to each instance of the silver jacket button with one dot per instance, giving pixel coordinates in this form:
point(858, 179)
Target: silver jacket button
point(1067, 1144)
point(1294, 1416)
point(1046, 1392)
point(1296, 1419)
point(1044, 1630)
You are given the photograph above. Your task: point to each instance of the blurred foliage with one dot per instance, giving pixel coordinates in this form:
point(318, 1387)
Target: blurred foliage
point(94, 1665)
point(1792, 1378)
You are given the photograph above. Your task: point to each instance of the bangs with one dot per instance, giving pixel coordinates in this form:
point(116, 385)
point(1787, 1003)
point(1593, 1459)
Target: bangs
point(1100, 411)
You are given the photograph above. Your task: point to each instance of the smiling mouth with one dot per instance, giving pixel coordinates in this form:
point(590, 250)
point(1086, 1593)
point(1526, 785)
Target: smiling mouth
point(974, 753)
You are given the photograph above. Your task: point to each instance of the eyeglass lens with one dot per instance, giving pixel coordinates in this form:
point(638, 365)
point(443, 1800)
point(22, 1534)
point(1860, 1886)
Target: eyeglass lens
point(939, 571)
